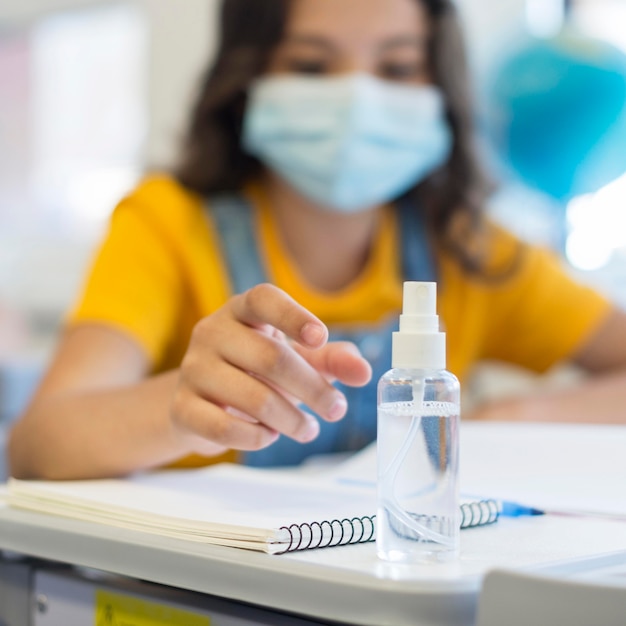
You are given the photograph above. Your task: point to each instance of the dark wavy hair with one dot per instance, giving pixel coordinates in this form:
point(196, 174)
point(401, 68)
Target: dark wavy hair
point(212, 159)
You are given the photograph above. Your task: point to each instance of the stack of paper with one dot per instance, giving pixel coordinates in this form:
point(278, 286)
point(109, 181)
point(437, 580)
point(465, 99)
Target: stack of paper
point(225, 504)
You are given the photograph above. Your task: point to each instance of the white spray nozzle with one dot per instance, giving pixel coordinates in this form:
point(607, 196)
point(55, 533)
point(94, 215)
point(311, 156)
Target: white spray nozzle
point(419, 343)
point(419, 308)
point(419, 298)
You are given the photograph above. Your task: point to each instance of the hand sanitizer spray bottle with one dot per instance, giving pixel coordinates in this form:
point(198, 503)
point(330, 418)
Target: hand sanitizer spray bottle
point(418, 517)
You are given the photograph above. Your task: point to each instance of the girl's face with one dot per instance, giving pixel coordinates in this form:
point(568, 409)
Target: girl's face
point(386, 38)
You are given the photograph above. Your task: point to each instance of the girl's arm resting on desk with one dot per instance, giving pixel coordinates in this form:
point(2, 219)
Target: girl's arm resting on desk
point(93, 415)
point(599, 398)
point(96, 413)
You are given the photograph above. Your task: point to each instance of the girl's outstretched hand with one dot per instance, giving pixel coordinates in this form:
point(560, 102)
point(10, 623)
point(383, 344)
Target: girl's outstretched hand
point(248, 367)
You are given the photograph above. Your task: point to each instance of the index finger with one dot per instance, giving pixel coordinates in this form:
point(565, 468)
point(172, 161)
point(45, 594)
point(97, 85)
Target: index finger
point(267, 304)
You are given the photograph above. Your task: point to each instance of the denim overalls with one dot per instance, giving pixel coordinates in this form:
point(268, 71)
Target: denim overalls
point(233, 219)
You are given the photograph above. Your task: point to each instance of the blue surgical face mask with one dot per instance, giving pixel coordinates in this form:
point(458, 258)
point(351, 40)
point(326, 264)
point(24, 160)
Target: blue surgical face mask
point(347, 143)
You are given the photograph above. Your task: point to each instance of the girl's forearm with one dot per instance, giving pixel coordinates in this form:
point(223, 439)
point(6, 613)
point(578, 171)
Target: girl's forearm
point(97, 433)
point(598, 399)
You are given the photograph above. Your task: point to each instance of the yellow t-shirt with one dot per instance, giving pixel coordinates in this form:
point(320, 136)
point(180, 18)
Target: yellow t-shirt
point(159, 270)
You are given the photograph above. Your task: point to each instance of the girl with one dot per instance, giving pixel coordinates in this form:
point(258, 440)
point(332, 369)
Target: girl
point(328, 159)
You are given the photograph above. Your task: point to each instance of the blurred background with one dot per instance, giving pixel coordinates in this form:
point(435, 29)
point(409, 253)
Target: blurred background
point(93, 92)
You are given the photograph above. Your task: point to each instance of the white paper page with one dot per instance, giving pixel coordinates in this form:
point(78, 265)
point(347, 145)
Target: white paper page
point(357, 471)
point(556, 467)
point(224, 494)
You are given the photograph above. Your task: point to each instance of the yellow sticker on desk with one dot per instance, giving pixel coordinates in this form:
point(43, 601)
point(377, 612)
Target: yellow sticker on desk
point(116, 609)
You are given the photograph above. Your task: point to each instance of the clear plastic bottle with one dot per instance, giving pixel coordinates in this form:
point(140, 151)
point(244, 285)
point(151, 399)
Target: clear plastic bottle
point(418, 517)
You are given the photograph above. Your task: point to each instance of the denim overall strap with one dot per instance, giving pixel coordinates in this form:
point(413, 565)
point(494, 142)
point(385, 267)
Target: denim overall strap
point(234, 222)
point(233, 218)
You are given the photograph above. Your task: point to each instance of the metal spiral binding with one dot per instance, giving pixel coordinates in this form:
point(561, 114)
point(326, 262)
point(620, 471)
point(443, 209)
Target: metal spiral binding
point(479, 513)
point(336, 532)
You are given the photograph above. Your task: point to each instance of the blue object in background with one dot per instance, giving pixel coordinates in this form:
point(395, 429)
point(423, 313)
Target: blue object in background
point(557, 114)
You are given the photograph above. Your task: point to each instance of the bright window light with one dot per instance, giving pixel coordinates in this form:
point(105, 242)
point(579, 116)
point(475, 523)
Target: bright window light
point(545, 17)
point(73, 124)
point(597, 226)
point(89, 115)
point(604, 19)
point(586, 253)
point(73, 97)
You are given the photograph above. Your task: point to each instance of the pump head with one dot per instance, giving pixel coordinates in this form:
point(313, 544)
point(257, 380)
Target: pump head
point(419, 344)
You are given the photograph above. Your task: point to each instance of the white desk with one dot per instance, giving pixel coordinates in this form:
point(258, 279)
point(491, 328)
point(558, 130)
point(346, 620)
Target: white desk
point(569, 466)
point(345, 585)
point(593, 595)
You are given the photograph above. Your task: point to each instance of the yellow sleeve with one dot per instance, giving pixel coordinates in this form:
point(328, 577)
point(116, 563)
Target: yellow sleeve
point(539, 315)
point(156, 272)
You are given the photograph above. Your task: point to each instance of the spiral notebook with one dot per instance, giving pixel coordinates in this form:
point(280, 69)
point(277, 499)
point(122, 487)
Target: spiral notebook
point(231, 505)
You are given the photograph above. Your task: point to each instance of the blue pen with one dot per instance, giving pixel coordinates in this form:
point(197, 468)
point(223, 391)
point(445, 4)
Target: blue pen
point(513, 509)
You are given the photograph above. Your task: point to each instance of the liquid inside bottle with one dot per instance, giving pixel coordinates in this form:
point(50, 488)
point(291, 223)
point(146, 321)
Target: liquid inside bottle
point(418, 517)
